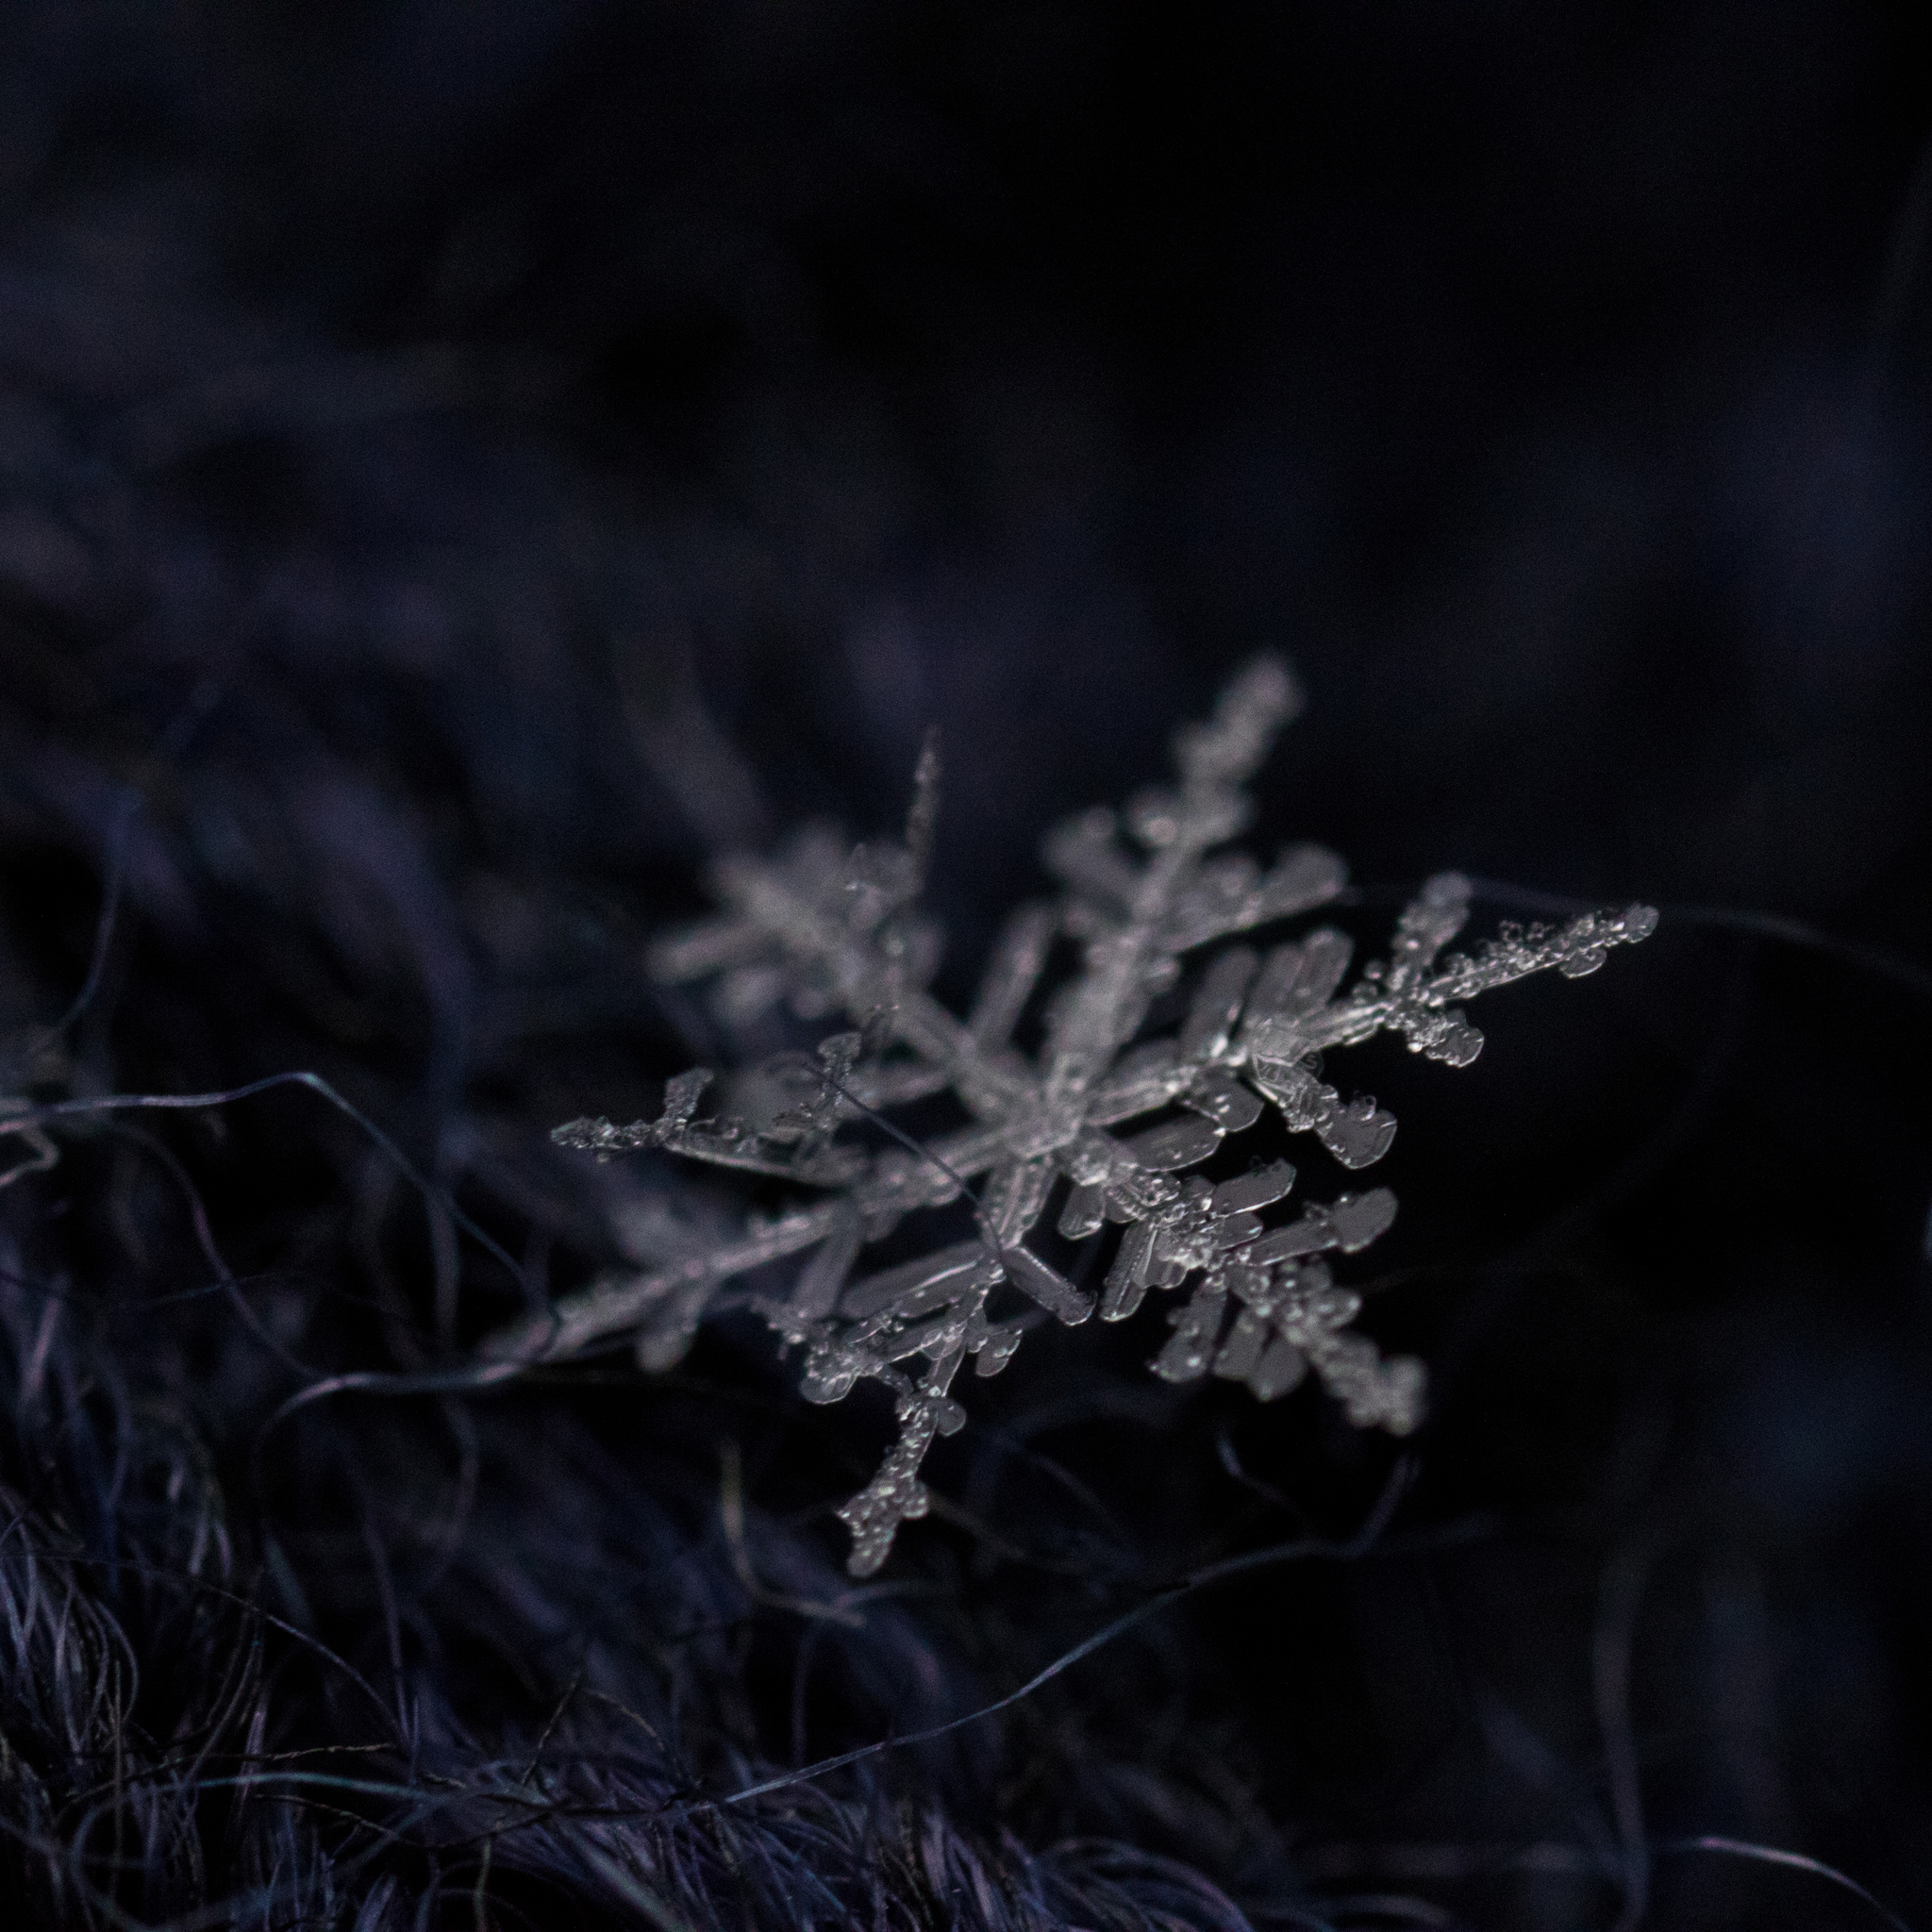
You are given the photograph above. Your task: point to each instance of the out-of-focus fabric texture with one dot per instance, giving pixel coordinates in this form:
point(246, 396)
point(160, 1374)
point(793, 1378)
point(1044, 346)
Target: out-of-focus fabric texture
point(463, 466)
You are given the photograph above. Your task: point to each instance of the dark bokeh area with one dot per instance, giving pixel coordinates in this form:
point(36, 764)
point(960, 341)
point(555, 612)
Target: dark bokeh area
point(462, 466)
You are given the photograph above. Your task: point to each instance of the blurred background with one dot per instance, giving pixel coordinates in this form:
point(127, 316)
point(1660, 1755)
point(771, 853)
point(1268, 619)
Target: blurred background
point(462, 466)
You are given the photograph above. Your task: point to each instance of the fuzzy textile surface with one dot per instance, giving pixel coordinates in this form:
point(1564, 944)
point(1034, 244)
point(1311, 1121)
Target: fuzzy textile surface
point(465, 466)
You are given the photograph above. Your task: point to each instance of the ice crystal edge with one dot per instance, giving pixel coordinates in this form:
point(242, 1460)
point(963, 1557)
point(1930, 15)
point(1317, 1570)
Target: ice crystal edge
point(831, 931)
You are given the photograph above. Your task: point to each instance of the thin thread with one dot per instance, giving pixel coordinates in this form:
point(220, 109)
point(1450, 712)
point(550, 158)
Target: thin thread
point(1359, 1546)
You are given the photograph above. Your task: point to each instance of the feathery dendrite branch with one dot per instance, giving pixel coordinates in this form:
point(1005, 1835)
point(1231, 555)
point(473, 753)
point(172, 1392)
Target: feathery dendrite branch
point(1104, 1121)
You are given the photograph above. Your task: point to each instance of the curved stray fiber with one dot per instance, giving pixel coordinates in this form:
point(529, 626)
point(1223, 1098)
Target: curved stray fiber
point(1620, 1597)
point(1302, 1550)
point(131, 802)
point(248, 1604)
point(52, 1110)
point(210, 1251)
point(1791, 1862)
point(371, 1382)
point(537, 1810)
point(1879, 961)
point(922, 1150)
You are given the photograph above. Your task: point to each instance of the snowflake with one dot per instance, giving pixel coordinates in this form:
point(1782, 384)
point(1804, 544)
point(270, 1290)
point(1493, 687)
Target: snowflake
point(833, 931)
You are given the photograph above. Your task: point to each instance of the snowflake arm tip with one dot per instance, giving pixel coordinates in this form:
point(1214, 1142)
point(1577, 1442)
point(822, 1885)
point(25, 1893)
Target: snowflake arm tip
point(1118, 1122)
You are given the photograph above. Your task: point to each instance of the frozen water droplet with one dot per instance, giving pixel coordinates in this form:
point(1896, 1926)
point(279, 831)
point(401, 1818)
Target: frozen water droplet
point(1242, 1349)
point(1175, 1144)
point(1280, 1369)
point(1359, 1219)
point(1126, 1280)
point(996, 1351)
point(1047, 1285)
point(1217, 1004)
point(1248, 1192)
point(1357, 1134)
point(1085, 1211)
point(1225, 1101)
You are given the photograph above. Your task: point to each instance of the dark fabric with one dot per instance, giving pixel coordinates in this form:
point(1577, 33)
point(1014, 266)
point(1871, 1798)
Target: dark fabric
point(462, 466)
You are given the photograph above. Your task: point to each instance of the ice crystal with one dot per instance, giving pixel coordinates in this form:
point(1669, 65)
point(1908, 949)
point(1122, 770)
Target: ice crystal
point(1103, 1119)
